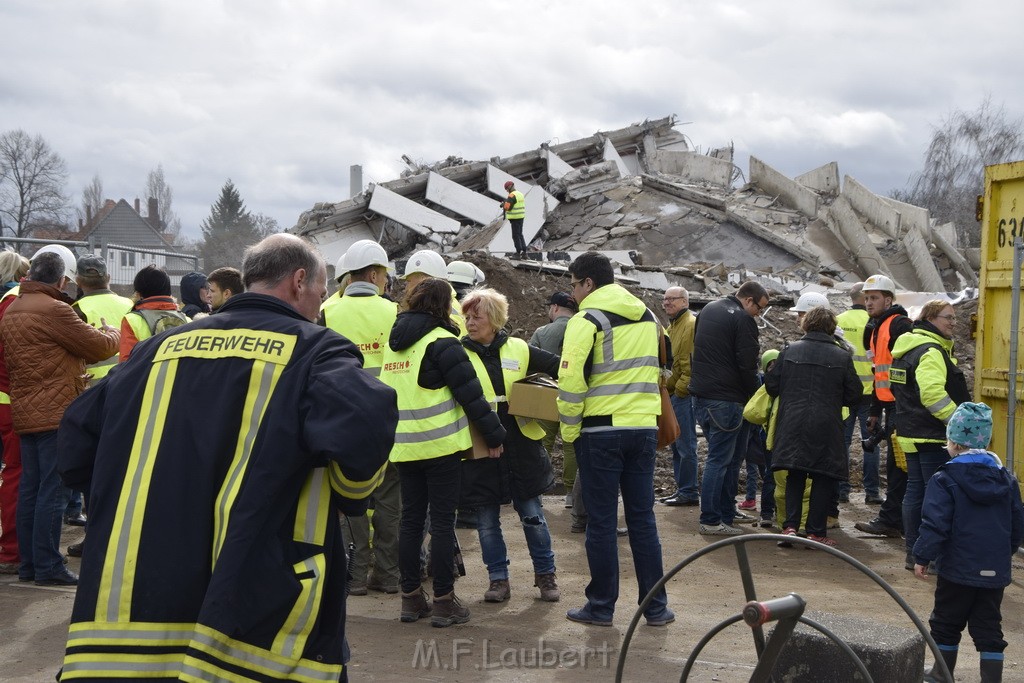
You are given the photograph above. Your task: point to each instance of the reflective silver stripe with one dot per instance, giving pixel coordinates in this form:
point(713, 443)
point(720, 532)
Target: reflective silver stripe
point(616, 389)
point(629, 364)
point(259, 662)
point(424, 413)
point(373, 372)
point(607, 348)
point(432, 434)
point(571, 396)
point(866, 378)
point(172, 667)
point(570, 419)
point(291, 640)
point(939, 405)
point(121, 635)
point(860, 359)
point(110, 361)
point(131, 506)
point(883, 367)
point(882, 385)
point(316, 490)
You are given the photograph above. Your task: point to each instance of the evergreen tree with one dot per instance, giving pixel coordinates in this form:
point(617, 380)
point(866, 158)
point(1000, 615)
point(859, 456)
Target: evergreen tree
point(228, 230)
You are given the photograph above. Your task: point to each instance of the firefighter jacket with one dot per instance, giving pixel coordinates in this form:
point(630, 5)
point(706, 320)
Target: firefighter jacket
point(216, 458)
point(608, 378)
point(365, 319)
point(438, 390)
point(95, 307)
point(927, 384)
point(680, 332)
point(524, 469)
point(853, 323)
point(515, 205)
point(880, 335)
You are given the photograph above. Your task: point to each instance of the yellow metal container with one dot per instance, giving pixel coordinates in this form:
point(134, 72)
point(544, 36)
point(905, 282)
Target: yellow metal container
point(1002, 220)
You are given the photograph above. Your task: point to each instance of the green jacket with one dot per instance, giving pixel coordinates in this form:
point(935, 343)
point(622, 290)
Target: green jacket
point(680, 331)
point(549, 337)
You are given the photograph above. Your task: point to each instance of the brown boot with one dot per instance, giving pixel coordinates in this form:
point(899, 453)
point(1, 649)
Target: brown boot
point(499, 591)
point(415, 606)
point(448, 610)
point(548, 587)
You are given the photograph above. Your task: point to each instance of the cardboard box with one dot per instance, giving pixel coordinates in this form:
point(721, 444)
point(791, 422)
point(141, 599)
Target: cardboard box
point(479, 449)
point(534, 396)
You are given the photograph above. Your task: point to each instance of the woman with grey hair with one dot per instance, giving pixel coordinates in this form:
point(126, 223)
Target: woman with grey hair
point(813, 379)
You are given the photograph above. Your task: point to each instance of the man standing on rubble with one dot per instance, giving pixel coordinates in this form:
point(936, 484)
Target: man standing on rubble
point(514, 207)
point(723, 378)
point(888, 321)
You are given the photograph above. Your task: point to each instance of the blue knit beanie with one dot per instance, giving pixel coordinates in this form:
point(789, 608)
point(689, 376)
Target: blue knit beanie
point(971, 425)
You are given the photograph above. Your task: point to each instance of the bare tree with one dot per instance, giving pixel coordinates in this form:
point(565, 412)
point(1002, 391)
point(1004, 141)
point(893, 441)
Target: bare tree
point(92, 199)
point(156, 186)
point(32, 179)
point(954, 165)
point(265, 225)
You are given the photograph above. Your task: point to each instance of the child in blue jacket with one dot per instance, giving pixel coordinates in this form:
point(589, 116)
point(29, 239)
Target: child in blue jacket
point(972, 522)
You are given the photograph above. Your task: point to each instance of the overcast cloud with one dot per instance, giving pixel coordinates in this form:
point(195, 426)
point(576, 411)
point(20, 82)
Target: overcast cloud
point(282, 97)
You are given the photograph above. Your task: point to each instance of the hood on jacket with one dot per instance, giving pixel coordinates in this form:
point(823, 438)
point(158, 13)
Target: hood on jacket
point(190, 286)
point(980, 475)
point(918, 336)
point(411, 326)
point(616, 299)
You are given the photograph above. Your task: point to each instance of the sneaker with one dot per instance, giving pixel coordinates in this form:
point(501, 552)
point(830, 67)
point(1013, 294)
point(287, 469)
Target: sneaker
point(788, 531)
point(375, 584)
point(548, 587)
point(499, 591)
point(75, 520)
point(448, 610)
point(748, 505)
point(824, 540)
point(744, 518)
point(677, 500)
point(62, 578)
point(877, 527)
point(568, 501)
point(832, 523)
point(666, 617)
point(873, 499)
point(577, 528)
point(415, 605)
point(581, 615)
point(719, 530)
point(766, 523)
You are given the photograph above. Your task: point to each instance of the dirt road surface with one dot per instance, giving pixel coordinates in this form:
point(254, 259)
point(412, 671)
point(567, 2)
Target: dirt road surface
point(525, 639)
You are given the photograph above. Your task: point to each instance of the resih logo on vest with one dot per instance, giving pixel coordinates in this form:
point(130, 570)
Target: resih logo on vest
point(397, 366)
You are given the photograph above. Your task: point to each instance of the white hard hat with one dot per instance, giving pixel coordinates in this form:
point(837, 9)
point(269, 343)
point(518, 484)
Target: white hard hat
point(427, 262)
point(465, 273)
point(879, 283)
point(809, 300)
point(70, 262)
point(360, 255)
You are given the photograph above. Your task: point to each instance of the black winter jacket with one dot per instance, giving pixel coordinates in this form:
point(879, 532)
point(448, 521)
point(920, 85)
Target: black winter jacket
point(524, 469)
point(725, 353)
point(813, 378)
point(191, 297)
point(446, 363)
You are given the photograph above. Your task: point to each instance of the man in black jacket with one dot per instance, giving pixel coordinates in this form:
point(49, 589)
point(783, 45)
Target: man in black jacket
point(723, 378)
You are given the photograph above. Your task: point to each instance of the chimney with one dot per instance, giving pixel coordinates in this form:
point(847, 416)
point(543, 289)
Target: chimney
point(81, 225)
point(88, 215)
point(138, 210)
point(355, 180)
point(154, 215)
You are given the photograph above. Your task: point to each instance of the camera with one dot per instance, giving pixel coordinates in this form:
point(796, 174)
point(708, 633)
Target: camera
point(871, 443)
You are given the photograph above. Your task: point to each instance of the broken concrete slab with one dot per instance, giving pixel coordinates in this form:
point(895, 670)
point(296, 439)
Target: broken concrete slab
point(609, 220)
point(538, 206)
point(881, 213)
point(928, 277)
point(957, 259)
point(587, 181)
point(462, 200)
point(609, 206)
point(678, 190)
point(557, 168)
point(412, 215)
point(610, 154)
point(772, 236)
point(692, 167)
point(791, 192)
point(824, 179)
point(623, 231)
point(851, 231)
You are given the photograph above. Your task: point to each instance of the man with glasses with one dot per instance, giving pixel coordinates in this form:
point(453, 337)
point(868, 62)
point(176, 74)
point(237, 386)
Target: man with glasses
point(684, 450)
point(724, 377)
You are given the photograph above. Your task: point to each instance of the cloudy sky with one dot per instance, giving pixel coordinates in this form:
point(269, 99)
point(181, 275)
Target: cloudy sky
point(282, 97)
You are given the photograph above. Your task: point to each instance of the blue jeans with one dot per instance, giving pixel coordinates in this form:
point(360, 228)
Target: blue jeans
point(920, 468)
point(684, 449)
point(41, 502)
point(535, 528)
point(722, 422)
point(613, 461)
point(860, 414)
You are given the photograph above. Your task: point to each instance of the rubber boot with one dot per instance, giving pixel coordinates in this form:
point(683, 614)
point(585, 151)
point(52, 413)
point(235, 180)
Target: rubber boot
point(991, 667)
point(935, 675)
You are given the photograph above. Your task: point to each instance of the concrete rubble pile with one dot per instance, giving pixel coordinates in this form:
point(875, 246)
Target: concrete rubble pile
point(665, 213)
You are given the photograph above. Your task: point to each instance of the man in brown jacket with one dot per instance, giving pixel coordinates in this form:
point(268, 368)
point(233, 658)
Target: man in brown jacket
point(47, 346)
point(676, 303)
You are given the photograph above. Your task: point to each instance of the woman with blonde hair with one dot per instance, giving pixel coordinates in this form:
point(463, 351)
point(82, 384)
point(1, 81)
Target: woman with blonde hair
point(13, 268)
point(523, 472)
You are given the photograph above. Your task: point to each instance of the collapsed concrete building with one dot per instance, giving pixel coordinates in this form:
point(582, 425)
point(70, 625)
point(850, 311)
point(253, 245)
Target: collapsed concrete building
point(663, 211)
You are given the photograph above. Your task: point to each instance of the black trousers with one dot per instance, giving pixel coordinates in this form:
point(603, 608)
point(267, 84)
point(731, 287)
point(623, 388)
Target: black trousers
point(434, 483)
point(957, 605)
point(823, 490)
point(891, 512)
point(517, 234)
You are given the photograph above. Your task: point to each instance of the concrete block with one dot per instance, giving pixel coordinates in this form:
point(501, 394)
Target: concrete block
point(610, 154)
point(881, 214)
point(412, 215)
point(609, 220)
point(609, 206)
point(692, 167)
point(462, 200)
point(890, 653)
point(946, 231)
point(595, 235)
point(911, 216)
point(959, 261)
point(847, 226)
point(588, 181)
point(789, 191)
point(689, 194)
point(623, 231)
point(824, 179)
point(921, 259)
point(556, 166)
